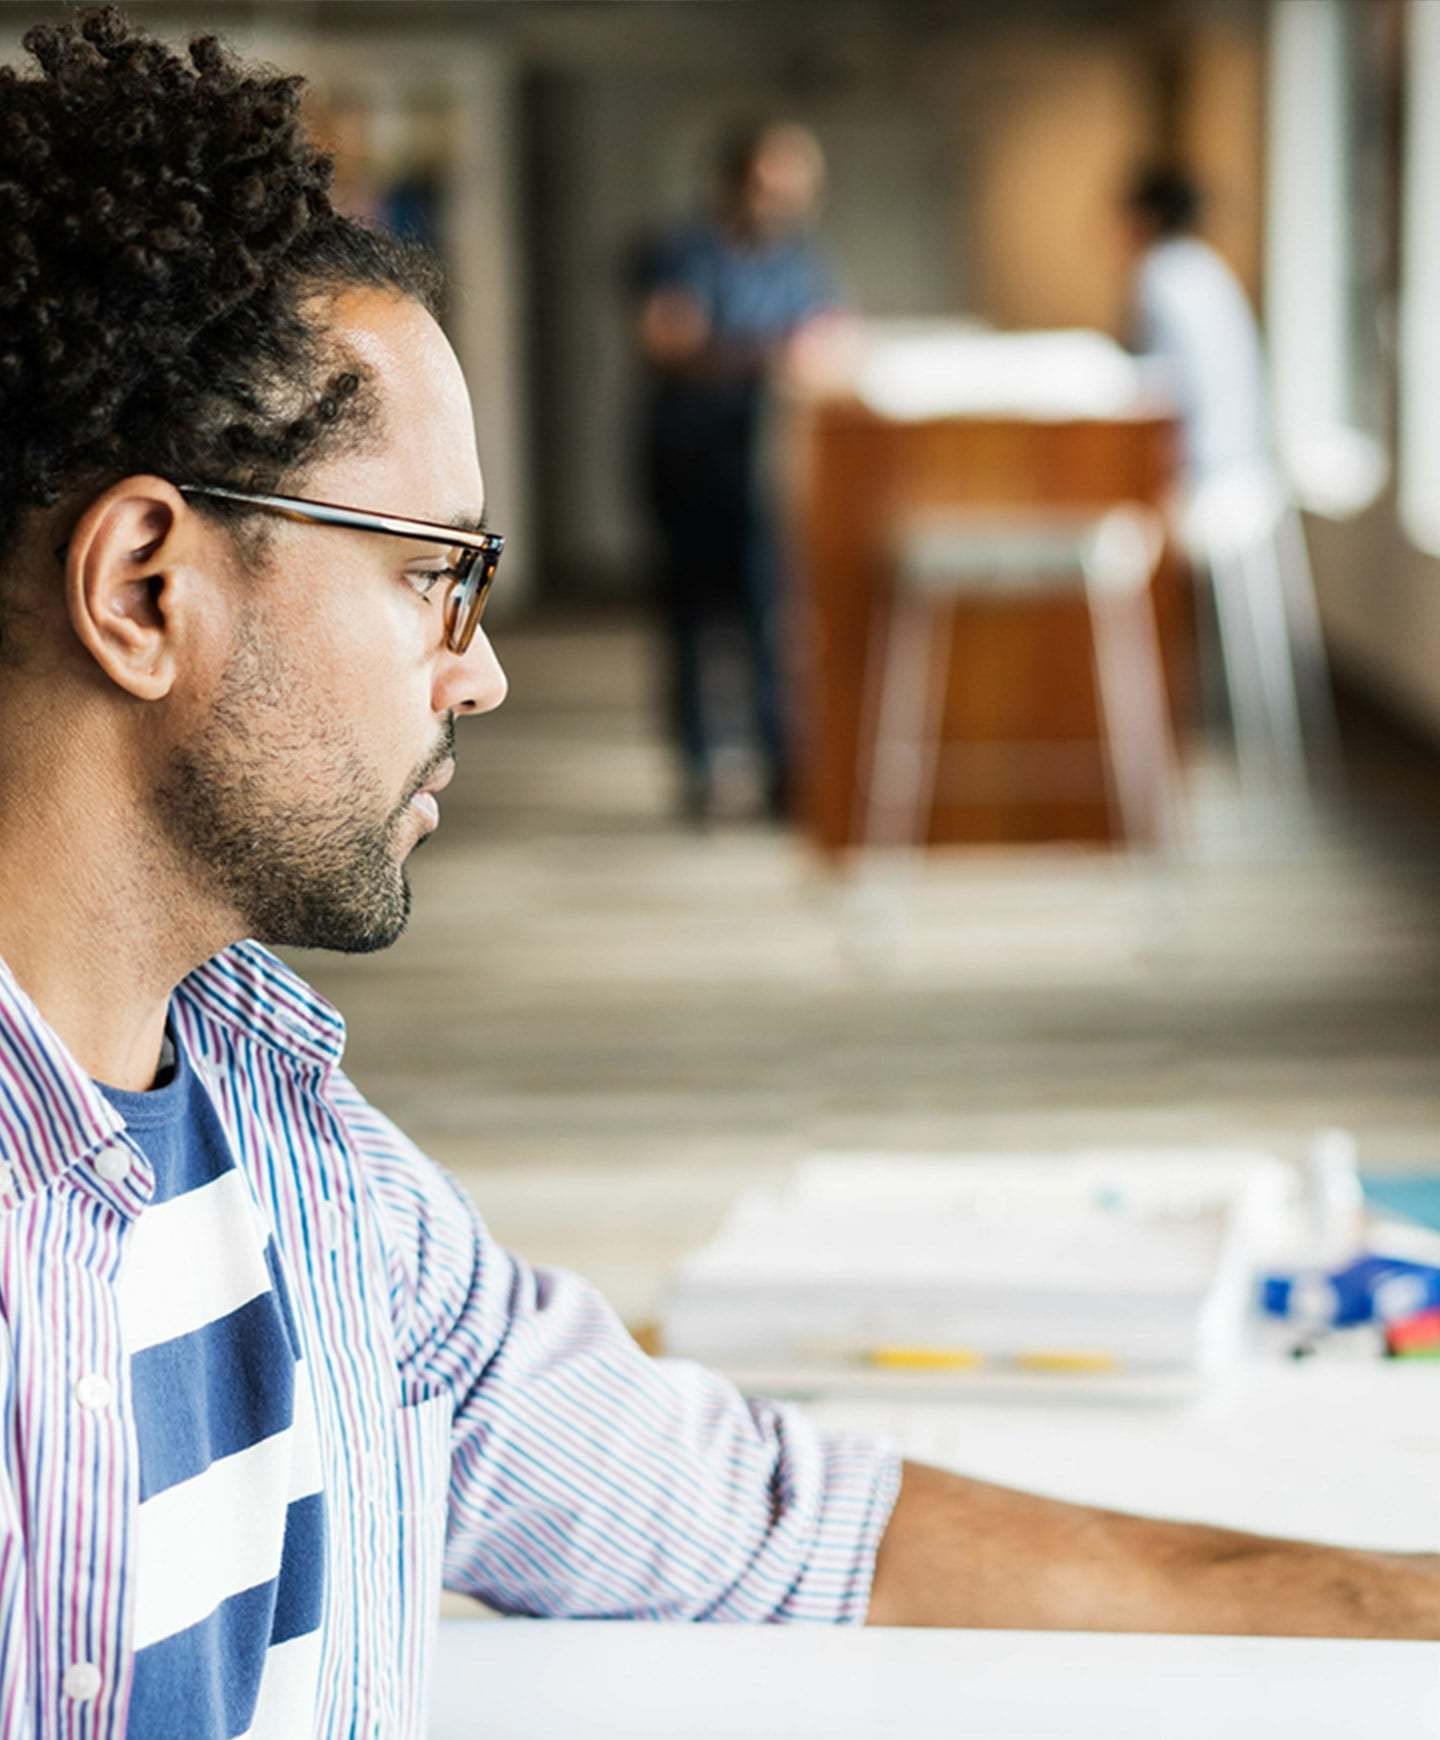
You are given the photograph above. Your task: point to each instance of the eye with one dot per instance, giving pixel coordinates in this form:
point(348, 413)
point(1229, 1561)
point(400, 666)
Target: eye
point(426, 580)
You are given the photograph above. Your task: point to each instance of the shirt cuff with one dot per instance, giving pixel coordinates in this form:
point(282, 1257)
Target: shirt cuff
point(860, 1483)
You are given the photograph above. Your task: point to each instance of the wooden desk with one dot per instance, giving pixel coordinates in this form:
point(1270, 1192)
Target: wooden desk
point(1017, 671)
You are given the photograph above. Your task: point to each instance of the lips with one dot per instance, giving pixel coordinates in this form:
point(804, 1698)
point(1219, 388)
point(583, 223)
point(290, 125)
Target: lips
point(439, 781)
point(423, 799)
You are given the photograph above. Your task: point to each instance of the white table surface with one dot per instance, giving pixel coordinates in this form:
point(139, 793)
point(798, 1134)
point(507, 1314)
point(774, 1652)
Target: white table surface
point(1340, 1452)
point(533, 1680)
point(1331, 1451)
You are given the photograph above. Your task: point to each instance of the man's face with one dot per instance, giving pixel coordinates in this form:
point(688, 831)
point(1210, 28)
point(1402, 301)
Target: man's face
point(292, 784)
point(1138, 233)
point(783, 187)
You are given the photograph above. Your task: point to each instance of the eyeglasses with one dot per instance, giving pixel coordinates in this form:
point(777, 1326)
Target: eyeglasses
point(473, 556)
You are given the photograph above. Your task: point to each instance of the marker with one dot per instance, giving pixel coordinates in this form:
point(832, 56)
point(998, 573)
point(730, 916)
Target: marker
point(1370, 1288)
point(1416, 1337)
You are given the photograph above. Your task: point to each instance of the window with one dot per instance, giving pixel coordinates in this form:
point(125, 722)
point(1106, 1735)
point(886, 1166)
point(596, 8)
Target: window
point(1326, 251)
point(1419, 491)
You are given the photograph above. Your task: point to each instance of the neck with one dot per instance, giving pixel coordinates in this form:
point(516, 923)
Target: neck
point(95, 922)
point(743, 227)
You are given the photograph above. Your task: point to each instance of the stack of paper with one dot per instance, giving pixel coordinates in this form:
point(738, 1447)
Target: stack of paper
point(1127, 1263)
point(919, 371)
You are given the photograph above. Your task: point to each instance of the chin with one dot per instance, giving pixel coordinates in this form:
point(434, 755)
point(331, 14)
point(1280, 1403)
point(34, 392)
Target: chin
point(324, 920)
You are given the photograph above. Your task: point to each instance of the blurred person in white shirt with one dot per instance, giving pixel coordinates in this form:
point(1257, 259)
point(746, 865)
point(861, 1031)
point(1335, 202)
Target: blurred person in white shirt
point(1192, 317)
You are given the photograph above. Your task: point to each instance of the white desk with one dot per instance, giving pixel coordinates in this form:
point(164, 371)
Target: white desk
point(1345, 1453)
point(1332, 1451)
point(529, 1680)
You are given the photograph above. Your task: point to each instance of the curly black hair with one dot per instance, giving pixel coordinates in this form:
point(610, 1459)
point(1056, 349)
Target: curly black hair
point(165, 226)
point(1166, 197)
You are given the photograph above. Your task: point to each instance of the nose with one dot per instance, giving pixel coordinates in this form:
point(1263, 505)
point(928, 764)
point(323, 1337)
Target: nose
point(470, 682)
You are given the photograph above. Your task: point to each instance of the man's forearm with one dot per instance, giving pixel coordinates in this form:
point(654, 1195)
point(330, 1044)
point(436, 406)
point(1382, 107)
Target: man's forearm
point(964, 1553)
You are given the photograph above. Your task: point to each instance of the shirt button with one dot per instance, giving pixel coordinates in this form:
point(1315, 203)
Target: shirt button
point(81, 1681)
point(113, 1165)
point(94, 1391)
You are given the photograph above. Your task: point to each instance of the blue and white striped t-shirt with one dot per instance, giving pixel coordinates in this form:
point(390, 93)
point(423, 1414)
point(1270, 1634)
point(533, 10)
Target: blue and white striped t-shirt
point(231, 1526)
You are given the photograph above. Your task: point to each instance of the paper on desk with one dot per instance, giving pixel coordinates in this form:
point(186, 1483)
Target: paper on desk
point(1142, 1259)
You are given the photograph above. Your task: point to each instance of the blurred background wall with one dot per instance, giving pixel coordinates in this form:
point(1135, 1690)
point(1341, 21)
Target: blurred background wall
point(975, 149)
point(626, 1020)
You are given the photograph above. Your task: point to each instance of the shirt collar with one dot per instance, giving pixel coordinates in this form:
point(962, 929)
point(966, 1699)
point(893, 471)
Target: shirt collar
point(51, 1113)
point(249, 989)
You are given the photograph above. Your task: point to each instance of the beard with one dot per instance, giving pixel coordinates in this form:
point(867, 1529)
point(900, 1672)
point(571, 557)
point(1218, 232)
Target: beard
point(327, 873)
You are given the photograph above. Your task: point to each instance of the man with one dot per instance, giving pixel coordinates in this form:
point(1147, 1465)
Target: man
point(1193, 318)
point(725, 301)
point(266, 1379)
point(1236, 520)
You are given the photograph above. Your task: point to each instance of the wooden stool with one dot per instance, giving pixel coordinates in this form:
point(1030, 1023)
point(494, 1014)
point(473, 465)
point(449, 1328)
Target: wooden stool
point(1241, 530)
point(946, 557)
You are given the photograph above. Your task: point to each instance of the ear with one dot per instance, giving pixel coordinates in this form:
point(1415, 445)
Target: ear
point(130, 573)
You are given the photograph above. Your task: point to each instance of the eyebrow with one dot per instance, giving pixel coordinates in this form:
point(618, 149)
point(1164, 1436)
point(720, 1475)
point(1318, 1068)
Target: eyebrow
point(465, 522)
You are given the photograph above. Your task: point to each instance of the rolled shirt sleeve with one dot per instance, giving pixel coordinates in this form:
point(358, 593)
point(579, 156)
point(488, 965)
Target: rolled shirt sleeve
point(589, 1480)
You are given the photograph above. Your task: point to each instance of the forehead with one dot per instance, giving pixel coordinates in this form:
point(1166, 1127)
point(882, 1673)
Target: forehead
point(422, 462)
point(789, 151)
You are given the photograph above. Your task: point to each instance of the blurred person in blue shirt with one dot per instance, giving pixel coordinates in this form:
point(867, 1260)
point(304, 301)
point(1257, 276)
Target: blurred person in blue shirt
point(723, 300)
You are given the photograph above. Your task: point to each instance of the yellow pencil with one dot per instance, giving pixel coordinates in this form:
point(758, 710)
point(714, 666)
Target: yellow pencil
point(923, 1358)
point(1062, 1359)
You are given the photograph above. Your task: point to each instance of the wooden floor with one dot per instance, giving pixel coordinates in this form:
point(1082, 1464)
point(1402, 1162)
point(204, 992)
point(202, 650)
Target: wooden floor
point(607, 1025)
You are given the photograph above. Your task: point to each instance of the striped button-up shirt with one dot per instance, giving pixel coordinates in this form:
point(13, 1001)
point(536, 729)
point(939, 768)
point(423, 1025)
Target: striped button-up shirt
point(481, 1422)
